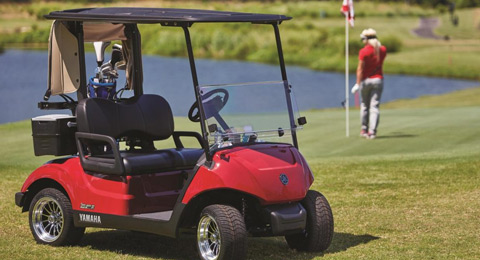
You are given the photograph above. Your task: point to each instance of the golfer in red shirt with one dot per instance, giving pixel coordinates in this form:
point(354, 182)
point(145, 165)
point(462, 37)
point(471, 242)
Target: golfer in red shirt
point(370, 81)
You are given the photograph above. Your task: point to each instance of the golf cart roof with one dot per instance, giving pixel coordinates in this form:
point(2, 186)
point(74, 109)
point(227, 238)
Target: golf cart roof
point(165, 16)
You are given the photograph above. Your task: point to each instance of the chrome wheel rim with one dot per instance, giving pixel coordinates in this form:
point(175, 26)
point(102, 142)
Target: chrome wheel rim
point(208, 238)
point(47, 219)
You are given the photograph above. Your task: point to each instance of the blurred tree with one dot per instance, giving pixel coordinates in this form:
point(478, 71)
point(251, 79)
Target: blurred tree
point(467, 3)
point(431, 3)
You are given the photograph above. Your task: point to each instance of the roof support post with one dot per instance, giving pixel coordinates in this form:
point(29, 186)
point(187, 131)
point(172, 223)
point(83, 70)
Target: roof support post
point(280, 52)
point(287, 86)
point(82, 90)
point(196, 87)
point(137, 59)
point(134, 38)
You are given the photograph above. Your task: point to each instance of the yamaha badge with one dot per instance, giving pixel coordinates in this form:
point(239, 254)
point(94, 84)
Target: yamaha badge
point(284, 179)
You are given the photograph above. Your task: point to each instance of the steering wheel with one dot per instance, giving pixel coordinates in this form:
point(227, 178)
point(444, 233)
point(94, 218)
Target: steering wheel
point(211, 106)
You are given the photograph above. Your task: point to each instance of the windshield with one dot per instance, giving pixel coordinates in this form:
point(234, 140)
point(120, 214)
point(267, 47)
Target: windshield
point(247, 113)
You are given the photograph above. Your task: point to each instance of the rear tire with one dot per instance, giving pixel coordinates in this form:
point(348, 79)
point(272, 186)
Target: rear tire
point(51, 219)
point(221, 234)
point(319, 231)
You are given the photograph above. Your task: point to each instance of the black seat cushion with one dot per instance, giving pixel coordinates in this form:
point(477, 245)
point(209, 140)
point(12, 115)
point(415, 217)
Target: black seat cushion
point(138, 162)
point(160, 161)
point(189, 156)
point(146, 116)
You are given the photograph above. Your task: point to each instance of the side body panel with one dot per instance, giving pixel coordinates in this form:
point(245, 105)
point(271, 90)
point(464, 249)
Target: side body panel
point(110, 194)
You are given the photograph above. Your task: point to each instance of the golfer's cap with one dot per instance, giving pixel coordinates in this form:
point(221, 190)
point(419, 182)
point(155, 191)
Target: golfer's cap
point(368, 34)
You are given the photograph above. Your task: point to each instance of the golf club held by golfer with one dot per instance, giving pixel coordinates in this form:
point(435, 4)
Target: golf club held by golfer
point(356, 87)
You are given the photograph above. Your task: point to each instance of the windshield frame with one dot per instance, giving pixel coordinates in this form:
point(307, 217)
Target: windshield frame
point(287, 88)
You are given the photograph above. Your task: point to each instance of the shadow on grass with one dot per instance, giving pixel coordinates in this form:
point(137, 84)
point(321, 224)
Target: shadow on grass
point(140, 244)
point(343, 241)
point(148, 245)
point(396, 135)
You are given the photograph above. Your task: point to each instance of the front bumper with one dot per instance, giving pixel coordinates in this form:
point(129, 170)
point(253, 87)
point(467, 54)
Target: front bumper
point(287, 218)
point(19, 199)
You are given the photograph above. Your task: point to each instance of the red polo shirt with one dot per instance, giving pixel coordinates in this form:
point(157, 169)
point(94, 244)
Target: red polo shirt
point(367, 54)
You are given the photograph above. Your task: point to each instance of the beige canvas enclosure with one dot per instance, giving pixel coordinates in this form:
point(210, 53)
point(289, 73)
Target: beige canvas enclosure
point(64, 65)
point(64, 56)
point(98, 32)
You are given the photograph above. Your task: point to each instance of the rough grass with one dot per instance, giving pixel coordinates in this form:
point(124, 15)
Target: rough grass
point(410, 194)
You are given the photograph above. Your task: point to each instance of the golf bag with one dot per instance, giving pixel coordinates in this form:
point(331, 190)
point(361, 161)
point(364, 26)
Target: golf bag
point(101, 90)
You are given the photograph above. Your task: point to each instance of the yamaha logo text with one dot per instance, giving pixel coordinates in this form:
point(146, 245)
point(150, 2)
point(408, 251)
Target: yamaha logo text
point(90, 218)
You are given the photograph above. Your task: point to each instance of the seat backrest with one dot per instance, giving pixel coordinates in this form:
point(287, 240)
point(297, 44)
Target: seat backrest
point(146, 116)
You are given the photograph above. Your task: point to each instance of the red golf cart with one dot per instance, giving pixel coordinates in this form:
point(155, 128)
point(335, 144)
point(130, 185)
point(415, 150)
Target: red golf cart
point(246, 177)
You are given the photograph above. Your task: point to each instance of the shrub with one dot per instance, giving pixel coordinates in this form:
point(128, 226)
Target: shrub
point(393, 43)
point(468, 3)
point(354, 47)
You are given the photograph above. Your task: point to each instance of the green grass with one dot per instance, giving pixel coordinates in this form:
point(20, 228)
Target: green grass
point(314, 38)
point(459, 98)
point(413, 193)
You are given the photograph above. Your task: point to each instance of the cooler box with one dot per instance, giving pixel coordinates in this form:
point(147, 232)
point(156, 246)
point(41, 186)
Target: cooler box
point(52, 135)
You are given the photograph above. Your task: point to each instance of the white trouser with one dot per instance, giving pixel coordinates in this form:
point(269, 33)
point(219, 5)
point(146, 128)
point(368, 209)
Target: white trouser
point(371, 93)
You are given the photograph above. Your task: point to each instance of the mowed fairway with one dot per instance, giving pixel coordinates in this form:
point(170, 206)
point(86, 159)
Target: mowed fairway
point(413, 193)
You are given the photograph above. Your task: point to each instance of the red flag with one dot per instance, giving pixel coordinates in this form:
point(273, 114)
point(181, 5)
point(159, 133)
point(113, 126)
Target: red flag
point(347, 10)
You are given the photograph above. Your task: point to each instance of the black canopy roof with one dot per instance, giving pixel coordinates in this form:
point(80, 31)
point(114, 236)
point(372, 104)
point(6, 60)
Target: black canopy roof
point(165, 16)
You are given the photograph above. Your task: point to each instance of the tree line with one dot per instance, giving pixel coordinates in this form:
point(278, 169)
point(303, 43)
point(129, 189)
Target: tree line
point(429, 3)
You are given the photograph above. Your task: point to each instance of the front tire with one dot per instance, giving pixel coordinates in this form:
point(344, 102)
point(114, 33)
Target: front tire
point(318, 233)
point(51, 219)
point(221, 234)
